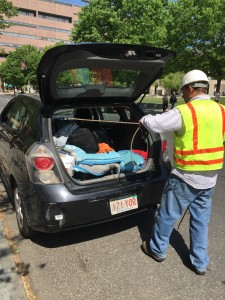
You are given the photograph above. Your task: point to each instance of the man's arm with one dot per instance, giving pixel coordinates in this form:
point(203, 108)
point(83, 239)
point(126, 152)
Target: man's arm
point(168, 121)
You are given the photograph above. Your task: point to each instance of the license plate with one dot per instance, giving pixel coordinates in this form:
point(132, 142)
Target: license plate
point(118, 206)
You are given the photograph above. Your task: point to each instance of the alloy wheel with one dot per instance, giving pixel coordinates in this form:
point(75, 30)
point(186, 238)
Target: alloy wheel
point(18, 208)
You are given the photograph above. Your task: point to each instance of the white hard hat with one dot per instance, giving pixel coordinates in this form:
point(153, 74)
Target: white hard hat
point(197, 77)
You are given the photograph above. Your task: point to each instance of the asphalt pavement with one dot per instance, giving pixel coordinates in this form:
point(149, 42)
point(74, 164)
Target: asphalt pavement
point(11, 286)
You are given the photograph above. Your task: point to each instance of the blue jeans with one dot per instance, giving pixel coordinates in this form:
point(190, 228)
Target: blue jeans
point(177, 196)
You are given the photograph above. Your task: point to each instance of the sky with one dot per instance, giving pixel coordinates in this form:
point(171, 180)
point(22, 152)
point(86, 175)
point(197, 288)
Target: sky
point(74, 2)
point(81, 3)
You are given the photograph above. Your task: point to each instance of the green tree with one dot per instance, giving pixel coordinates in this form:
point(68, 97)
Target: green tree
point(197, 33)
point(19, 68)
point(172, 81)
point(122, 21)
point(67, 78)
point(7, 10)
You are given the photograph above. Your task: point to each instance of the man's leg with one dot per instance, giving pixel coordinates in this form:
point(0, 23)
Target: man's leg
point(200, 211)
point(176, 197)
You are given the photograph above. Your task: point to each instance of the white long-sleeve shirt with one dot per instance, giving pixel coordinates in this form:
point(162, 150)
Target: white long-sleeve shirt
point(172, 121)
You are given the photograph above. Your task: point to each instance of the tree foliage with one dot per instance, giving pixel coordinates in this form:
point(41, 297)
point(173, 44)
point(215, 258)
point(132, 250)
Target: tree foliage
point(122, 21)
point(20, 66)
point(7, 10)
point(193, 28)
point(172, 81)
point(197, 32)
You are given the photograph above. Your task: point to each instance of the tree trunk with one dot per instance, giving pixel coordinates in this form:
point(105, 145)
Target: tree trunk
point(218, 85)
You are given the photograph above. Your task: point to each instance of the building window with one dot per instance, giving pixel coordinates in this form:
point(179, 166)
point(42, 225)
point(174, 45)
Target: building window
point(27, 12)
point(27, 36)
point(54, 29)
point(18, 35)
point(9, 45)
point(54, 40)
point(54, 17)
point(21, 24)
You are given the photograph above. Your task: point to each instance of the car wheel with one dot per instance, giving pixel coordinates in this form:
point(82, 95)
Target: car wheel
point(23, 226)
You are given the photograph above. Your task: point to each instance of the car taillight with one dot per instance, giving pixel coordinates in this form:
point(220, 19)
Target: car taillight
point(44, 163)
point(164, 146)
point(41, 165)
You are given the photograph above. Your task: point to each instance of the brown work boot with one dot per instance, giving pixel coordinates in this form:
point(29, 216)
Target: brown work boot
point(146, 249)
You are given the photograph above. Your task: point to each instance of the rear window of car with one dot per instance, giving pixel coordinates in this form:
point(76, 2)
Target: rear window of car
point(96, 76)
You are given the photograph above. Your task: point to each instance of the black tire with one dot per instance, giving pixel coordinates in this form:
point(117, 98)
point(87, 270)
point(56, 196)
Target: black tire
point(23, 226)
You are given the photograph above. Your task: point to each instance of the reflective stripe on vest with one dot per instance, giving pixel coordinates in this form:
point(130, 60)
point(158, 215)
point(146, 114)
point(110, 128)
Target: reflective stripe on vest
point(200, 147)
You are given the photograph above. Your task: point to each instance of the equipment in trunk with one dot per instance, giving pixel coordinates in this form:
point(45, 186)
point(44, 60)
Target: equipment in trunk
point(103, 146)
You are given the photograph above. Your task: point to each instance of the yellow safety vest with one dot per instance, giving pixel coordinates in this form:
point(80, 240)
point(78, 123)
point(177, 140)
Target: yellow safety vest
point(199, 146)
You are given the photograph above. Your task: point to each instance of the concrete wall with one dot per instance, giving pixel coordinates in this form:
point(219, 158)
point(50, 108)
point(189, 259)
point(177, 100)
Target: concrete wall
point(212, 87)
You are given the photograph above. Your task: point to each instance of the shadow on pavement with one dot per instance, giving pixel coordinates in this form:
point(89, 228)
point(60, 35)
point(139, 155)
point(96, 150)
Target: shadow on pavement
point(80, 235)
point(179, 245)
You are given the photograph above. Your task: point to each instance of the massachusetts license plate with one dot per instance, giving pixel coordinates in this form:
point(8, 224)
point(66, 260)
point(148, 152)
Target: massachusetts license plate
point(118, 206)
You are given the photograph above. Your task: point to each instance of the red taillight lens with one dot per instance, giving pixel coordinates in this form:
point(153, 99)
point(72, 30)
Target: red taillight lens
point(44, 163)
point(164, 146)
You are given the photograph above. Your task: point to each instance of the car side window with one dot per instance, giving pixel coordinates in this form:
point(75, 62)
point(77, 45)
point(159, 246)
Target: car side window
point(116, 114)
point(29, 126)
point(18, 117)
point(110, 114)
point(12, 117)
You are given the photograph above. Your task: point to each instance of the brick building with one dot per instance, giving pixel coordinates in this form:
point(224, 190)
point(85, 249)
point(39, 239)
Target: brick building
point(40, 23)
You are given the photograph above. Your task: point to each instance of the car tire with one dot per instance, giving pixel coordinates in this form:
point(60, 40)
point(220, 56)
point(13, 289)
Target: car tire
point(22, 223)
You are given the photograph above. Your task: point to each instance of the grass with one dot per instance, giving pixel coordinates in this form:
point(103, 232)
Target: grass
point(158, 100)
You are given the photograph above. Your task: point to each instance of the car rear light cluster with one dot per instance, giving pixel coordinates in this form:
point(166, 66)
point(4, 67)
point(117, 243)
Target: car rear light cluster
point(44, 163)
point(41, 165)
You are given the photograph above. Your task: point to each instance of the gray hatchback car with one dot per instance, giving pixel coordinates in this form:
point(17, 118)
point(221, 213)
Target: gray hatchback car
point(76, 155)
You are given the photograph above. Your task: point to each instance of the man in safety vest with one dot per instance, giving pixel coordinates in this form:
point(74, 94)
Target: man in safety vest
point(199, 133)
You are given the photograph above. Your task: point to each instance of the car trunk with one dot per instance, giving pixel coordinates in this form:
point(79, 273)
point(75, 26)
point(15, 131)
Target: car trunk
point(102, 143)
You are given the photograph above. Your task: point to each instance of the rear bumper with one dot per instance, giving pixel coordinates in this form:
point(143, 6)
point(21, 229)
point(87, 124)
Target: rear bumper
point(55, 208)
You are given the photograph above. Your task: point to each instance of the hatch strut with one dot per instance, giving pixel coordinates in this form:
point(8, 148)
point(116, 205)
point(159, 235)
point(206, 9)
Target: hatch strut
point(142, 98)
